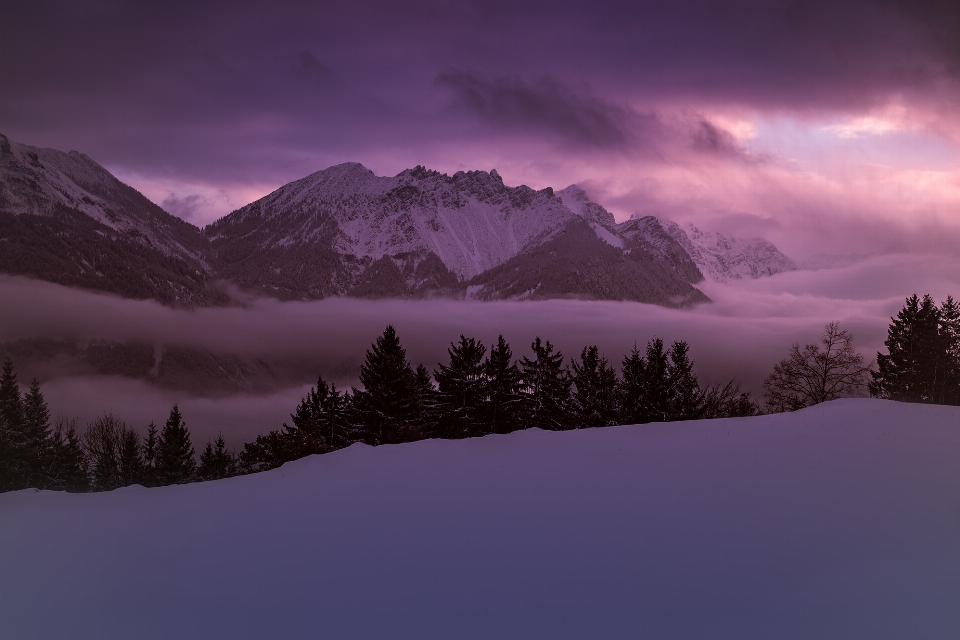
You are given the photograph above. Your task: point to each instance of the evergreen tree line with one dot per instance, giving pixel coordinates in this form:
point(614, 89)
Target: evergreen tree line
point(922, 363)
point(36, 452)
point(478, 392)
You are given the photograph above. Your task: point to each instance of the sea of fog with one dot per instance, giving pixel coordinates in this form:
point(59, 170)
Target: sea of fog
point(742, 334)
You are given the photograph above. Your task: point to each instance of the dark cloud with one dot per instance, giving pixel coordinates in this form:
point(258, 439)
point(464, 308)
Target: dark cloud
point(218, 89)
point(710, 138)
point(543, 104)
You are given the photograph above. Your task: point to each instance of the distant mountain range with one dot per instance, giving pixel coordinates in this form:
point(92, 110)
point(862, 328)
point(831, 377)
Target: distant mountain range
point(344, 231)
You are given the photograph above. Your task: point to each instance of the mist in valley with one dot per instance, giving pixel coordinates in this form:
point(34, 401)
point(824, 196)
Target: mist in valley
point(742, 334)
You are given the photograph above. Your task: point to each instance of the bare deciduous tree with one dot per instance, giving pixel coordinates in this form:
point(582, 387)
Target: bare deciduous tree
point(817, 373)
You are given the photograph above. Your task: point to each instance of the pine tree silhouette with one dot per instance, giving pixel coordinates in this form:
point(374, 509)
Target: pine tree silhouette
point(909, 371)
point(593, 402)
point(14, 469)
point(36, 452)
point(175, 462)
point(504, 401)
point(149, 455)
point(462, 389)
point(216, 461)
point(546, 387)
point(386, 409)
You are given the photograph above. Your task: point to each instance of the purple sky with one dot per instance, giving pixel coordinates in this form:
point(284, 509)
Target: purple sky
point(824, 126)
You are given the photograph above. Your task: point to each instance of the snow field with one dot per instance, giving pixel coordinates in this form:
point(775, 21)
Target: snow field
point(839, 521)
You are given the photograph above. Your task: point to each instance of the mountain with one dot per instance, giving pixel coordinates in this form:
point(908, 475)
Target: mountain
point(66, 219)
point(318, 236)
point(346, 231)
point(723, 258)
point(836, 521)
point(579, 262)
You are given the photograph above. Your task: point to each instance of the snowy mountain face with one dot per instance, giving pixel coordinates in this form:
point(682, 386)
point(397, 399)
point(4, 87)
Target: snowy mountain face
point(68, 220)
point(344, 231)
point(723, 258)
point(348, 231)
point(39, 181)
point(471, 221)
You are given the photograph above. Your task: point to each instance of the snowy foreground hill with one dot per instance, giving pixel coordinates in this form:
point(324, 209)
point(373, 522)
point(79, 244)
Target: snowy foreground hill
point(839, 521)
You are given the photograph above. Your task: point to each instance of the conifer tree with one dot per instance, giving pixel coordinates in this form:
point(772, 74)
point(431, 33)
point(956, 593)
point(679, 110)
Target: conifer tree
point(175, 462)
point(36, 416)
point(149, 456)
point(462, 389)
point(504, 400)
point(684, 387)
point(594, 398)
point(910, 368)
point(14, 470)
point(632, 388)
point(546, 388)
point(68, 467)
point(426, 421)
point(131, 458)
point(216, 462)
point(949, 389)
point(658, 386)
point(386, 408)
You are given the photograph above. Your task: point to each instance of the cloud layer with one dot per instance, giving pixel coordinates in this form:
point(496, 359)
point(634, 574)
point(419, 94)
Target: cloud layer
point(832, 118)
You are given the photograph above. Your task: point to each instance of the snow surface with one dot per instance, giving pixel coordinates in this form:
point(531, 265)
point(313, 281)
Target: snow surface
point(839, 521)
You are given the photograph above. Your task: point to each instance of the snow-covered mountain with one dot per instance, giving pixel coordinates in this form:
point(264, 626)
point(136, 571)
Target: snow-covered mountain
point(344, 230)
point(724, 258)
point(67, 219)
point(836, 521)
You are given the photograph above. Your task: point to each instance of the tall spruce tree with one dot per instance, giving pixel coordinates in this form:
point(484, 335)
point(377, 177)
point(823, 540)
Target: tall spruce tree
point(504, 400)
point(658, 386)
point(593, 402)
point(175, 463)
point(546, 388)
point(912, 370)
point(14, 469)
point(685, 395)
point(386, 409)
point(149, 455)
point(645, 392)
point(427, 413)
point(948, 391)
point(633, 373)
point(462, 390)
point(36, 418)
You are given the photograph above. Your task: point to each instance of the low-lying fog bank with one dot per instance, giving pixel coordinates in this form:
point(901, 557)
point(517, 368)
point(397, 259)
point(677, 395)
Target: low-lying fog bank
point(741, 335)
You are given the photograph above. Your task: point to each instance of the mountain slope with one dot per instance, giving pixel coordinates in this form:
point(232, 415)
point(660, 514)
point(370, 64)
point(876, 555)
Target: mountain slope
point(330, 227)
point(577, 262)
point(724, 258)
point(838, 521)
point(66, 219)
